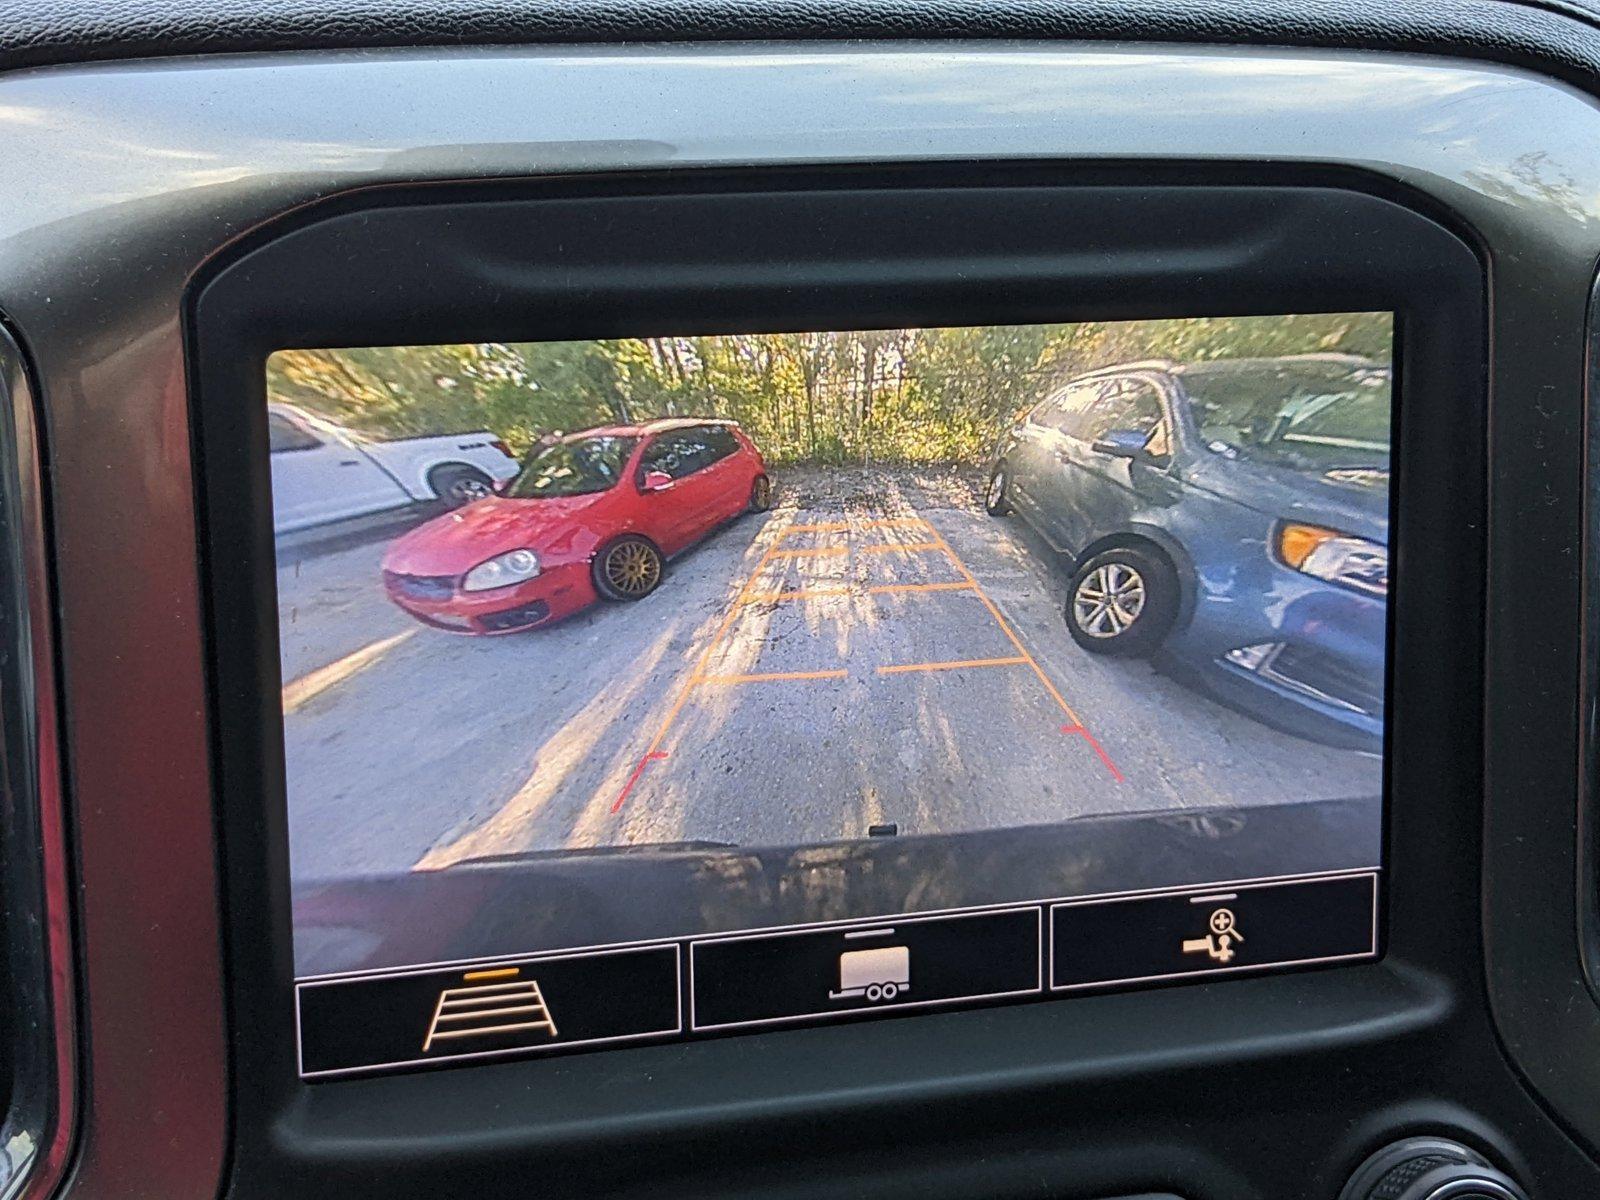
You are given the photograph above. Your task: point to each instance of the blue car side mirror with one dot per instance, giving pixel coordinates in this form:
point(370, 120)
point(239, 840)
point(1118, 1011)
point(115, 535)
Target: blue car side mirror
point(1121, 443)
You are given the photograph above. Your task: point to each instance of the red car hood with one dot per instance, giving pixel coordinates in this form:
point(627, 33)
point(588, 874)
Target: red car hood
point(458, 541)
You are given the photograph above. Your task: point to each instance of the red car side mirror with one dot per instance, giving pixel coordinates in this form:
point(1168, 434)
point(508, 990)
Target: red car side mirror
point(655, 481)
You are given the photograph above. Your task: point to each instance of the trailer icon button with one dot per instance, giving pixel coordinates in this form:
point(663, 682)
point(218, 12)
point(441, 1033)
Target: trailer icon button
point(881, 973)
point(848, 970)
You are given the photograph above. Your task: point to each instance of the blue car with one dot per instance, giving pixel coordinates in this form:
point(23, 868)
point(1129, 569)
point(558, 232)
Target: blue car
point(1233, 515)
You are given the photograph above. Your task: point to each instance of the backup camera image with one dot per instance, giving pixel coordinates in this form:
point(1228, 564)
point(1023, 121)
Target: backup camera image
point(591, 643)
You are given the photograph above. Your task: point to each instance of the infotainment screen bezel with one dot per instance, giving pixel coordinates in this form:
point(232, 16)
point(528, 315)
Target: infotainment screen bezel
point(830, 248)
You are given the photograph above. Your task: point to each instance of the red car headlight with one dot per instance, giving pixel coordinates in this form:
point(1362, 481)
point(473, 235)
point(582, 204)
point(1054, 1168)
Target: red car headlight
point(503, 570)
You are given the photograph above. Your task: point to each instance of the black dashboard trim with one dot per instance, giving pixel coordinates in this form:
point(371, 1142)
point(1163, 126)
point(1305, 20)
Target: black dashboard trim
point(40, 974)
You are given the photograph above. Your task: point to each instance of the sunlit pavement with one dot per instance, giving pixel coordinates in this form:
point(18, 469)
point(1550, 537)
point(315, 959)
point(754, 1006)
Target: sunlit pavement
point(875, 651)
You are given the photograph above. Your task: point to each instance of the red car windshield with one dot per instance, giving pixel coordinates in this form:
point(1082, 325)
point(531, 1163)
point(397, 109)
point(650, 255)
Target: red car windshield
point(575, 468)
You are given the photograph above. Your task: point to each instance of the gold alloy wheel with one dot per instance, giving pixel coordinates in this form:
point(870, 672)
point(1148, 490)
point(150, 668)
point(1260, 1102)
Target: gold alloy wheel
point(633, 568)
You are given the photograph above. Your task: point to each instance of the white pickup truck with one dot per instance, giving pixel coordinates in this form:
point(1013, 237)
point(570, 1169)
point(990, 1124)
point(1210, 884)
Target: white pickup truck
point(323, 472)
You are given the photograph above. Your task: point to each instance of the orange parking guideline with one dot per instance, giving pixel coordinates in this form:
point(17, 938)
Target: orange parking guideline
point(1094, 745)
point(884, 589)
point(846, 526)
point(885, 547)
point(627, 787)
point(902, 668)
point(810, 552)
point(880, 589)
point(1077, 727)
point(769, 677)
point(655, 751)
point(795, 594)
point(745, 596)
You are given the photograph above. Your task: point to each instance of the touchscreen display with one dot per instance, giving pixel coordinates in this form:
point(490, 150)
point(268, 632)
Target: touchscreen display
point(672, 686)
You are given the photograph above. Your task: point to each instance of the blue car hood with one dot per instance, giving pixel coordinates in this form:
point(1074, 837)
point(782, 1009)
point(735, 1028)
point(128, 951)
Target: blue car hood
point(1351, 499)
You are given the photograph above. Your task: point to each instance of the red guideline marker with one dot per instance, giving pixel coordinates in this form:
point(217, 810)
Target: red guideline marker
point(639, 770)
point(1093, 745)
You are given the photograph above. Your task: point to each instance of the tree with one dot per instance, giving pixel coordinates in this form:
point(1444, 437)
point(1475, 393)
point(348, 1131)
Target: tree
point(901, 395)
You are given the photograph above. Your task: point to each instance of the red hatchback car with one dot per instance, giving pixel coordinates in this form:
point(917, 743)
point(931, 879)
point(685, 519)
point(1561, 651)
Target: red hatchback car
point(595, 514)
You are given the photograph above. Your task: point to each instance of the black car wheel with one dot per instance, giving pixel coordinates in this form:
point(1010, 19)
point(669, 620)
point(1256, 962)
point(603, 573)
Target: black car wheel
point(630, 568)
point(1123, 602)
point(995, 497)
point(460, 486)
point(760, 494)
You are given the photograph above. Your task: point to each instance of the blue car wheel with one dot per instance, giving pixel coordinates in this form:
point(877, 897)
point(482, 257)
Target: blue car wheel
point(1123, 602)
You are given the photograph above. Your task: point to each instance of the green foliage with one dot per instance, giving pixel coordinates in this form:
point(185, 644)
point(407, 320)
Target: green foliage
point(899, 395)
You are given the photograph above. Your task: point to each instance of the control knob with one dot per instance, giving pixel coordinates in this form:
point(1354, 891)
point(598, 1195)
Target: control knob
point(1430, 1169)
